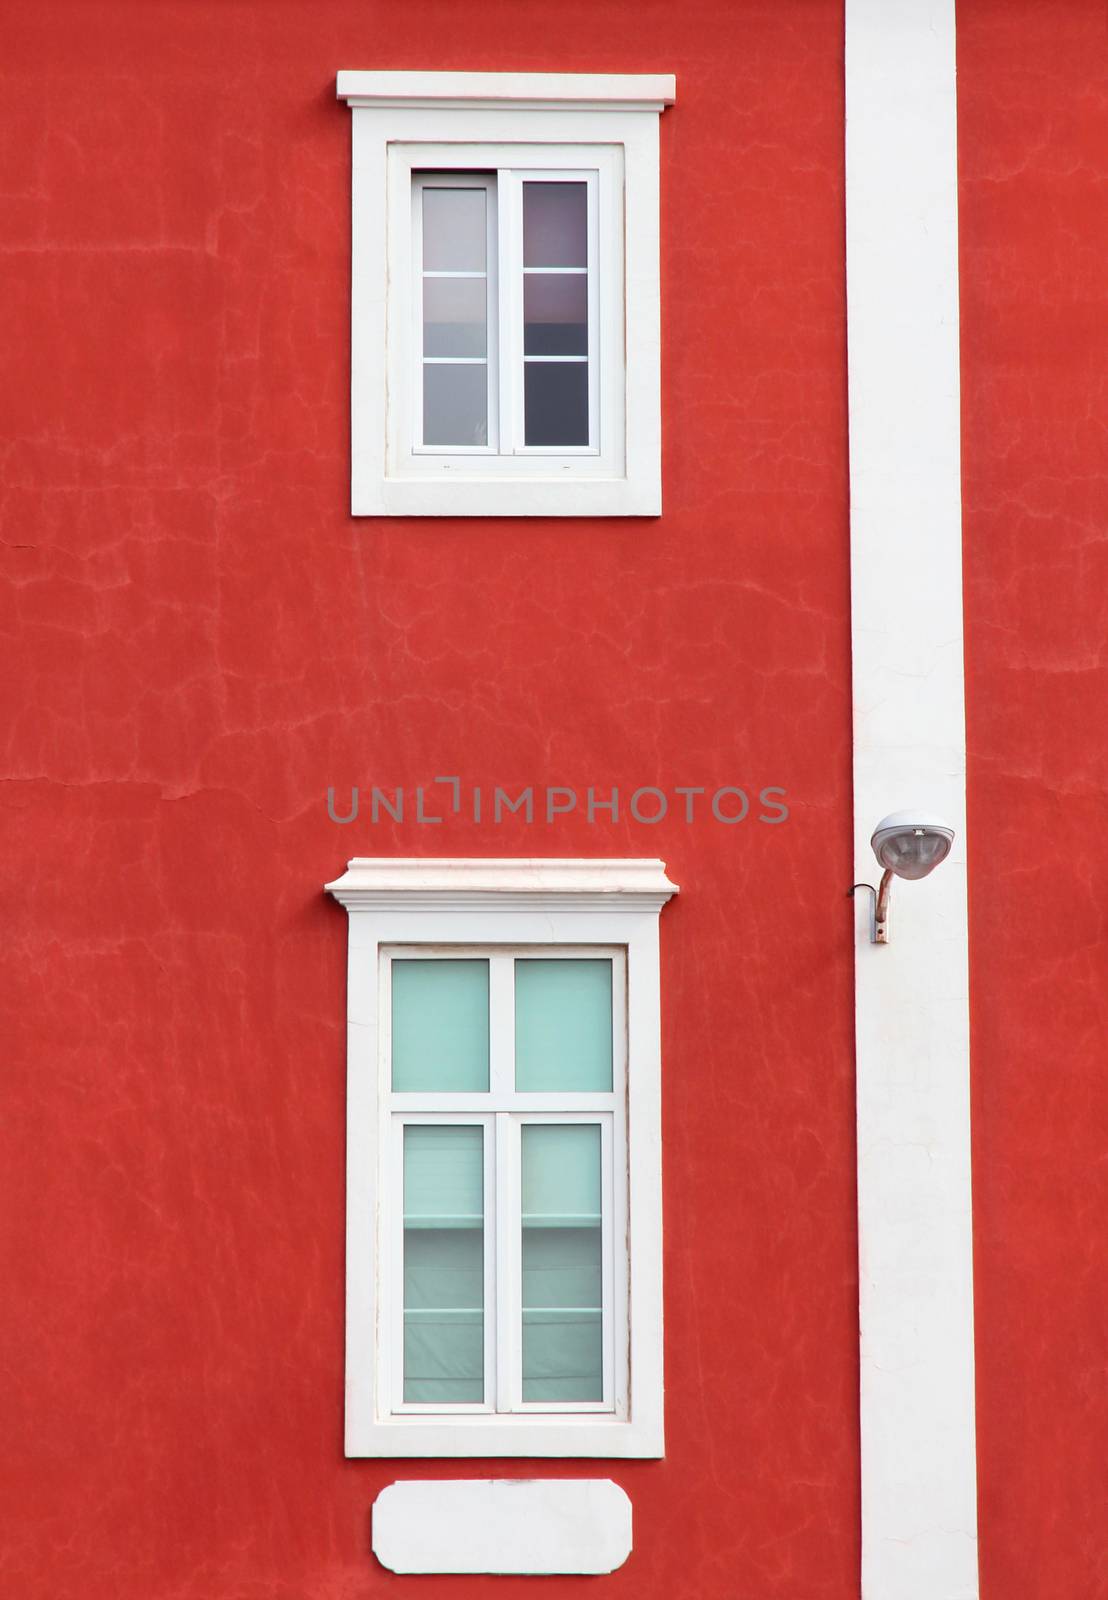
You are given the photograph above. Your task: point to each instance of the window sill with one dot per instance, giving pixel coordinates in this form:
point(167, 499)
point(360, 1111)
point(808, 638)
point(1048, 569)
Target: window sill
point(567, 1436)
point(508, 497)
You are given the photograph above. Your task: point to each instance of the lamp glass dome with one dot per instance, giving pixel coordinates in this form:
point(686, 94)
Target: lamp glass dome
point(911, 844)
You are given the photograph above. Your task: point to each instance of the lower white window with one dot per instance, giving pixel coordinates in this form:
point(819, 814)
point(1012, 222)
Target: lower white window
point(504, 1224)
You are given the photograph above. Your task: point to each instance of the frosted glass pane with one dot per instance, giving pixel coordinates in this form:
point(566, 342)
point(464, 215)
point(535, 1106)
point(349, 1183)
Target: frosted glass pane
point(440, 1026)
point(563, 1355)
point(562, 1269)
point(561, 1174)
point(454, 230)
point(564, 1025)
point(443, 1169)
point(455, 404)
point(562, 1263)
point(444, 1318)
point(555, 224)
point(555, 313)
point(454, 316)
point(555, 402)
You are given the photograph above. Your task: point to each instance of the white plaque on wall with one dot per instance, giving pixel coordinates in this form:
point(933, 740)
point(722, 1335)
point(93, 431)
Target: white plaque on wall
point(506, 1525)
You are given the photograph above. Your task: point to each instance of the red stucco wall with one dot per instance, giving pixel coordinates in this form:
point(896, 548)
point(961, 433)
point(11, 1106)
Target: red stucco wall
point(1033, 136)
point(205, 640)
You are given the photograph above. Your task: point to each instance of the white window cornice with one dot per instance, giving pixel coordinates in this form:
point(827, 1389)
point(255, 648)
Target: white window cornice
point(525, 883)
point(514, 91)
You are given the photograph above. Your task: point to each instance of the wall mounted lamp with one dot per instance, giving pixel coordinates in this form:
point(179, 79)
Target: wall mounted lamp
point(908, 844)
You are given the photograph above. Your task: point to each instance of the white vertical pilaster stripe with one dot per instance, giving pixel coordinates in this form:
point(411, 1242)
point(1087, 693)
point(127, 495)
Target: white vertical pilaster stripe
point(919, 1515)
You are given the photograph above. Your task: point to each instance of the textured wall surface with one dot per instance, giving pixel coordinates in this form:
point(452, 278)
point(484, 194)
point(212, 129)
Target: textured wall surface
point(202, 640)
point(1033, 129)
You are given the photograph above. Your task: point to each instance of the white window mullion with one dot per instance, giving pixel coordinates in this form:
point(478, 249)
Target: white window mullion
point(385, 1257)
point(617, 1173)
point(510, 321)
point(508, 1313)
point(502, 1026)
point(415, 367)
point(394, 1264)
point(593, 258)
point(492, 311)
point(492, 1291)
point(607, 1258)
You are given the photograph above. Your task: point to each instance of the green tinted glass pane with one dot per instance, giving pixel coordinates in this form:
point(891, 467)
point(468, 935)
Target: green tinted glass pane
point(564, 1025)
point(562, 1263)
point(443, 1176)
point(440, 1026)
point(444, 1277)
point(560, 1180)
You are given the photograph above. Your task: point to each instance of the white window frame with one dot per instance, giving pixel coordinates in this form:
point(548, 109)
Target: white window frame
point(503, 1111)
point(506, 454)
point(512, 124)
point(412, 435)
point(529, 907)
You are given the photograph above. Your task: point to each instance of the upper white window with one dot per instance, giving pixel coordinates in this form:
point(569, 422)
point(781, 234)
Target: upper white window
point(505, 323)
point(504, 1222)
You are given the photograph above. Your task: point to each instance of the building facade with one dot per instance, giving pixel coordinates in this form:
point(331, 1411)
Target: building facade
point(671, 516)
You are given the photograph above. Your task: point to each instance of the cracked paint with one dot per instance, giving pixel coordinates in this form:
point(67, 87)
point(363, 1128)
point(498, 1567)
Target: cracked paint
point(202, 640)
point(1033, 125)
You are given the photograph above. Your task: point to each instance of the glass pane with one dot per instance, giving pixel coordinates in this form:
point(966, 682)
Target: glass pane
point(444, 1276)
point(455, 404)
point(555, 225)
point(556, 402)
point(564, 1025)
point(454, 230)
point(454, 316)
point(440, 1026)
point(563, 1347)
point(555, 314)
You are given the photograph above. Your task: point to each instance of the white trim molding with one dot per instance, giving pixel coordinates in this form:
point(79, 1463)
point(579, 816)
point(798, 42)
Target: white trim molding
point(558, 907)
point(919, 1509)
point(525, 91)
point(604, 127)
point(531, 1526)
point(528, 883)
